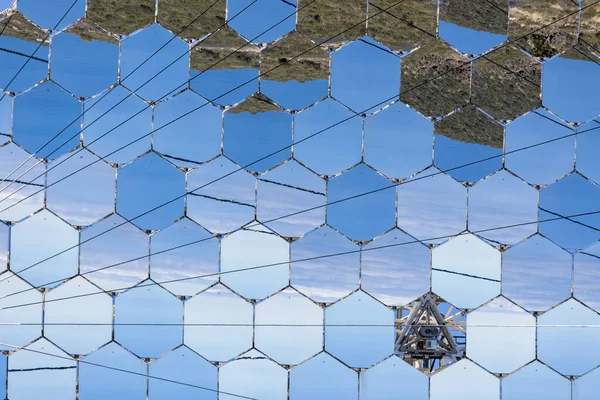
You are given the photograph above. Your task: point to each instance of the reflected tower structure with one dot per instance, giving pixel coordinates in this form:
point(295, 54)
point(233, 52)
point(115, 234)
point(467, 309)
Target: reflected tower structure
point(430, 333)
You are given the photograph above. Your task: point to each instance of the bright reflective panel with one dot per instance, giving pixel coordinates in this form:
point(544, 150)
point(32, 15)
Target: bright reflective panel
point(352, 82)
point(466, 271)
point(536, 381)
point(398, 141)
point(464, 380)
point(43, 113)
point(224, 324)
point(395, 259)
point(153, 332)
point(511, 327)
point(254, 376)
point(293, 343)
point(311, 274)
point(355, 345)
point(248, 249)
point(383, 380)
point(82, 323)
point(322, 377)
point(185, 366)
point(37, 238)
point(52, 370)
point(561, 325)
point(93, 378)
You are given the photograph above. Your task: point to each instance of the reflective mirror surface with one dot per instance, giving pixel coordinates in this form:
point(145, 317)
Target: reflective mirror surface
point(225, 199)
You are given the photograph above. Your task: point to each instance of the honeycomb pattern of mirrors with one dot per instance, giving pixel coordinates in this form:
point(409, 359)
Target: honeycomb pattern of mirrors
point(554, 160)
point(382, 381)
point(183, 19)
point(509, 327)
point(53, 371)
point(139, 77)
point(92, 378)
point(46, 121)
point(464, 380)
point(352, 80)
point(81, 324)
point(254, 130)
point(71, 198)
point(403, 26)
point(290, 189)
point(186, 366)
point(20, 40)
point(466, 271)
point(125, 135)
point(144, 243)
point(147, 183)
point(474, 27)
point(288, 327)
point(263, 21)
point(586, 276)
point(529, 26)
point(20, 325)
point(397, 141)
point(152, 329)
point(25, 195)
point(567, 212)
point(536, 381)
point(391, 260)
point(224, 68)
point(190, 268)
point(322, 377)
point(218, 324)
point(253, 375)
point(325, 279)
point(85, 59)
point(113, 254)
point(506, 83)
point(587, 145)
point(359, 346)
point(564, 340)
point(537, 260)
point(464, 138)
point(191, 140)
point(220, 205)
point(570, 83)
point(42, 236)
point(432, 206)
point(121, 18)
point(490, 206)
point(435, 79)
point(321, 22)
point(294, 72)
point(338, 147)
point(255, 262)
point(361, 218)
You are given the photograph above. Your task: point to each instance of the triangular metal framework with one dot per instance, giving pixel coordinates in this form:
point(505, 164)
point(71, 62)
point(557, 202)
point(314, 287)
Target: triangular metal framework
point(425, 334)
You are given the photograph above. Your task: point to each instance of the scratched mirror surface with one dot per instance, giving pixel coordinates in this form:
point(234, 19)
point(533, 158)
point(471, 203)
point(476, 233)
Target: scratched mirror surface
point(300, 199)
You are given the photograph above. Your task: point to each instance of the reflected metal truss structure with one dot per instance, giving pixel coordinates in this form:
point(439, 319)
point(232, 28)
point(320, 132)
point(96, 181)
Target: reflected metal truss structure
point(425, 336)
